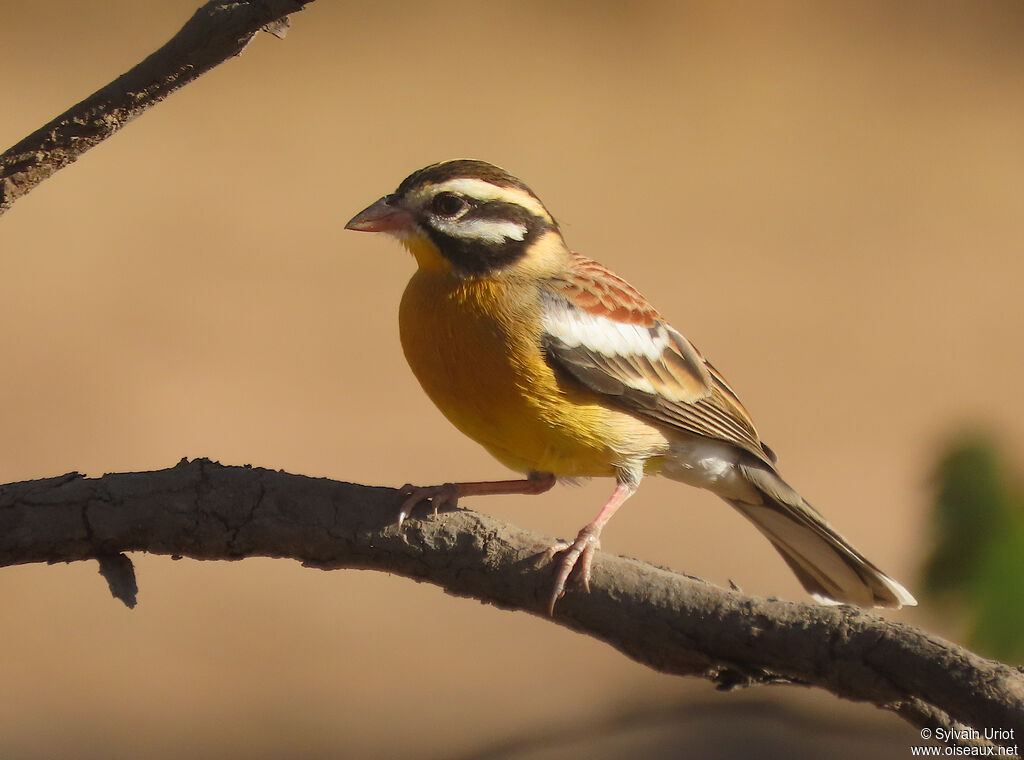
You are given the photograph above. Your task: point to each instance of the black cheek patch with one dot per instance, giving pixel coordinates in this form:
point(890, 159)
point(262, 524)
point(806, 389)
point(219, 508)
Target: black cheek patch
point(476, 258)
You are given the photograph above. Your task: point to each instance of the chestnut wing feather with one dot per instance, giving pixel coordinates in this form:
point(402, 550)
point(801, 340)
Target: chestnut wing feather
point(601, 332)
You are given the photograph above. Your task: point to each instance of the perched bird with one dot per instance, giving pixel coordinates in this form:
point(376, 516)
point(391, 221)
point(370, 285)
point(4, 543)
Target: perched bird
point(561, 369)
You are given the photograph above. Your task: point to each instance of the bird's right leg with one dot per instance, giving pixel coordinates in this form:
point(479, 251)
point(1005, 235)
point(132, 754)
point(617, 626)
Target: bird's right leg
point(448, 494)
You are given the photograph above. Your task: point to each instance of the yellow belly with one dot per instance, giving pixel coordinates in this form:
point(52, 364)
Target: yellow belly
point(482, 367)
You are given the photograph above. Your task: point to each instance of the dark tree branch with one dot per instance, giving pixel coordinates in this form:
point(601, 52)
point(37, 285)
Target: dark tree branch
point(671, 622)
point(218, 31)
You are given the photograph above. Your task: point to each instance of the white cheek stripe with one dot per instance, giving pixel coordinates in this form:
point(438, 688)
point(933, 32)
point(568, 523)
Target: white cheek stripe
point(484, 230)
point(601, 334)
point(485, 191)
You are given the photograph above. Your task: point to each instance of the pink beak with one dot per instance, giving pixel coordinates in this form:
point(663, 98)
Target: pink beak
point(381, 217)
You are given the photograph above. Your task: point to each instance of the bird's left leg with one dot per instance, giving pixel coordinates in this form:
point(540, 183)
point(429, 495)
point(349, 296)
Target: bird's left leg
point(580, 553)
point(448, 494)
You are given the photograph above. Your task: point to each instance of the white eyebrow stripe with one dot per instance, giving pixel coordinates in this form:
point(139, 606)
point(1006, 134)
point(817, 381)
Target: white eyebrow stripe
point(485, 191)
point(485, 230)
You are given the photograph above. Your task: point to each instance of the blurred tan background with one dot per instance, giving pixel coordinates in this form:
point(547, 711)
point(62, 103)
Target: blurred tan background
point(828, 199)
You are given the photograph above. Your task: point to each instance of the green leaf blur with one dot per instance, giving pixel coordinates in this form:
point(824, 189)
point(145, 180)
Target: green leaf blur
point(977, 563)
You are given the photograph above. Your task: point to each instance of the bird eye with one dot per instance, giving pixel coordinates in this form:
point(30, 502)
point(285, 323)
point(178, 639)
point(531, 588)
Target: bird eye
point(448, 204)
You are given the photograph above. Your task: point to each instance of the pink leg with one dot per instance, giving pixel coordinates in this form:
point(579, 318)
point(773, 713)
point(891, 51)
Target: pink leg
point(448, 494)
point(581, 552)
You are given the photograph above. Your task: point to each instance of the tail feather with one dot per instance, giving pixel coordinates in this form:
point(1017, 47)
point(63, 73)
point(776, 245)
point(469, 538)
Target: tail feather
point(826, 564)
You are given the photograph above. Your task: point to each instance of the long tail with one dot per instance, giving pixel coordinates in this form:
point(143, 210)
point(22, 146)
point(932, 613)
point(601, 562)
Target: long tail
point(827, 565)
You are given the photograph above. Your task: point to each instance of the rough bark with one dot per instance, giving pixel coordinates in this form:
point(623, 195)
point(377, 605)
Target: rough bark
point(218, 31)
point(669, 621)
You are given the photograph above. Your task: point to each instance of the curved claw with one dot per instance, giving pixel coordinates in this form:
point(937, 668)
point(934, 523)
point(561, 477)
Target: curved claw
point(578, 554)
point(444, 495)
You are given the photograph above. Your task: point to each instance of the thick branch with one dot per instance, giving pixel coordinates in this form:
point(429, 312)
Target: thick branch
point(672, 622)
point(218, 31)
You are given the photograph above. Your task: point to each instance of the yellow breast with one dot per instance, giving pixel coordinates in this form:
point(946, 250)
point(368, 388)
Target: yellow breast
point(474, 347)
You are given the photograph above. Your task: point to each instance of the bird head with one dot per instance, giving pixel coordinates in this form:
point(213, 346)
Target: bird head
point(468, 217)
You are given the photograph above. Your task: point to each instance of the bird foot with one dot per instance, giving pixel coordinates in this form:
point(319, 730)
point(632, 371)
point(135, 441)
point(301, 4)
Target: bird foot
point(578, 555)
point(445, 495)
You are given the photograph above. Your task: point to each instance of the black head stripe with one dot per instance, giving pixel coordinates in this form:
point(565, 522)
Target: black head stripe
point(510, 212)
point(442, 172)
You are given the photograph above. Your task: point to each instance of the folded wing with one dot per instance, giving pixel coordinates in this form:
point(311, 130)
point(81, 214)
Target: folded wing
point(601, 332)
